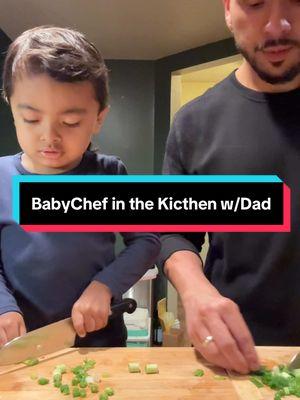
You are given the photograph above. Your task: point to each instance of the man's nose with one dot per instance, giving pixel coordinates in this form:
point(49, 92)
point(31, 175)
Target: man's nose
point(278, 24)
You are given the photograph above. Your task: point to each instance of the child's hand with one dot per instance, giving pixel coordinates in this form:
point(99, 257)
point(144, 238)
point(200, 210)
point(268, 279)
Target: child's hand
point(90, 312)
point(12, 325)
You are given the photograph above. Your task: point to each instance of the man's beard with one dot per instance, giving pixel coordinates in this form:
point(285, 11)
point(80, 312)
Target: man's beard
point(287, 76)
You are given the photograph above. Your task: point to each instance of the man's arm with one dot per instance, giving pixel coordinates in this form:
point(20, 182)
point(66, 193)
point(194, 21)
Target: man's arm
point(207, 312)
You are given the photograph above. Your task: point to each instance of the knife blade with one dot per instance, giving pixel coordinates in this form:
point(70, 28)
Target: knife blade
point(51, 338)
point(294, 363)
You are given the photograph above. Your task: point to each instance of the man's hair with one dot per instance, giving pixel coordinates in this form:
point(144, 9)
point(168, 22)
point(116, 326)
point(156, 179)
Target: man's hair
point(63, 54)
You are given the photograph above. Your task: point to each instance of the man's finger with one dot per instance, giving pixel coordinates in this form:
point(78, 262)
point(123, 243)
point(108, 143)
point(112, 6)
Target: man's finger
point(243, 337)
point(227, 345)
point(210, 351)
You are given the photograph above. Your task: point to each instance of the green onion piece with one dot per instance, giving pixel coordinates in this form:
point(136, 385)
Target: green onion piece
point(89, 364)
point(109, 391)
point(75, 381)
point(296, 372)
point(82, 392)
point(31, 361)
point(43, 381)
point(94, 388)
point(83, 383)
point(151, 369)
point(103, 396)
point(57, 380)
point(199, 372)
point(257, 382)
point(65, 389)
point(134, 367)
point(60, 369)
point(220, 377)
point(277, 396)
point(76, 392)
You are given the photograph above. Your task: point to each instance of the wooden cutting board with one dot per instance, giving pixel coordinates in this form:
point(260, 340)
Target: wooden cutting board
point(269, 356)
point(175, 380)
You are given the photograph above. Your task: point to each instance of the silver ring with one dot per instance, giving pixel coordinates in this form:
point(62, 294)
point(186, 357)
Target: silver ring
point(207, 340)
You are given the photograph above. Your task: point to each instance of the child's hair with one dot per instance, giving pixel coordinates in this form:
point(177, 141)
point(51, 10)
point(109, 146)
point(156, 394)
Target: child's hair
point(64, 54)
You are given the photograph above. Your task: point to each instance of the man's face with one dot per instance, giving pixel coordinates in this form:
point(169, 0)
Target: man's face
point(267, 33)
point(55, 121)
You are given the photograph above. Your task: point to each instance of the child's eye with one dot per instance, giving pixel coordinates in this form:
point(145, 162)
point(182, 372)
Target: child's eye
point(73, 125)
point(30, 121)
point(255, 4)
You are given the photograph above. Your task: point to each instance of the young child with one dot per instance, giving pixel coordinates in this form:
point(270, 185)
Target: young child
point(55, 82)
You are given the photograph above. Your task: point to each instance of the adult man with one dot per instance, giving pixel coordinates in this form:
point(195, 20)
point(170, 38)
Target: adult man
point(247, 124)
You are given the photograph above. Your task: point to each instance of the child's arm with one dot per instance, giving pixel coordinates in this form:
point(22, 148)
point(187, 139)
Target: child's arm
point(140, 253)
point(91, 310)
point(11, 321)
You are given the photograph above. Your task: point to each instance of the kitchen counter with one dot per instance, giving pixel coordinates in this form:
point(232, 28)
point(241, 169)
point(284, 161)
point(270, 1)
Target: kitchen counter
point(175, 379)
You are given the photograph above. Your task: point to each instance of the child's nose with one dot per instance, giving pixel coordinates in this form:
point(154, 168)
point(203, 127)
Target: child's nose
point(50, 134)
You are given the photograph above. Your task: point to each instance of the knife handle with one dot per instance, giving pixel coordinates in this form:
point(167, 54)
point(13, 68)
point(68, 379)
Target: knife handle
point(126, 305)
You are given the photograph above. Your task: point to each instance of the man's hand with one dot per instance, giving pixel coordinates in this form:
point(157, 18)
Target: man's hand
point(90, 312)
point(208, 313)
point(12, 325)
point(217, 316)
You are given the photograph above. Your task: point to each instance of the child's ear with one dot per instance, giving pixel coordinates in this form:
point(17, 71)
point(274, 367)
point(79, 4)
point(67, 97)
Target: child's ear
point(100, 119)
point(227, 14)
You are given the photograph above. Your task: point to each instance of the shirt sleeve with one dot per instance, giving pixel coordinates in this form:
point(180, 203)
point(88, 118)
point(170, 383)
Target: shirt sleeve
point(174, 165)
point(139, 255)
point(132, 263)
point(7, 301)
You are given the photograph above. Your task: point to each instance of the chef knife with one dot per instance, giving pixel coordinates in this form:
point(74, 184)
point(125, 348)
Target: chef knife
point(51, 338)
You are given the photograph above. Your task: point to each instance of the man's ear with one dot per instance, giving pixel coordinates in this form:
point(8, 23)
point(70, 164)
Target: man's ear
point(100, 119)
point(226, 4)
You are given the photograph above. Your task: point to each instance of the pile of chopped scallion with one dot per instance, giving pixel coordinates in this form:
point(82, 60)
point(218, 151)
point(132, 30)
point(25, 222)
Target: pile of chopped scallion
point(285, 381)
point(82, 382)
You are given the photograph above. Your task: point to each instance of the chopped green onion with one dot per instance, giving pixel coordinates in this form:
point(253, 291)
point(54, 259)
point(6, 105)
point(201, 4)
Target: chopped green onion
point(89, 364)
point(31, 361)
point(94, 388)
point(65, 389)
point(220, 377)
point(75, 381)
point(43, 381)
point(103, 396)
point(199, 372)
point(257, 382)
point(134, 367)
point(57, 380)
point(83, 383)
point(151, 369)
point(76, 392)
point(109, 391)
point(60, 369)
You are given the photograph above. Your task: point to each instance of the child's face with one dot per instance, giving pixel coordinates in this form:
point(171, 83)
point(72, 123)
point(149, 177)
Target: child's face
point(55, 122)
